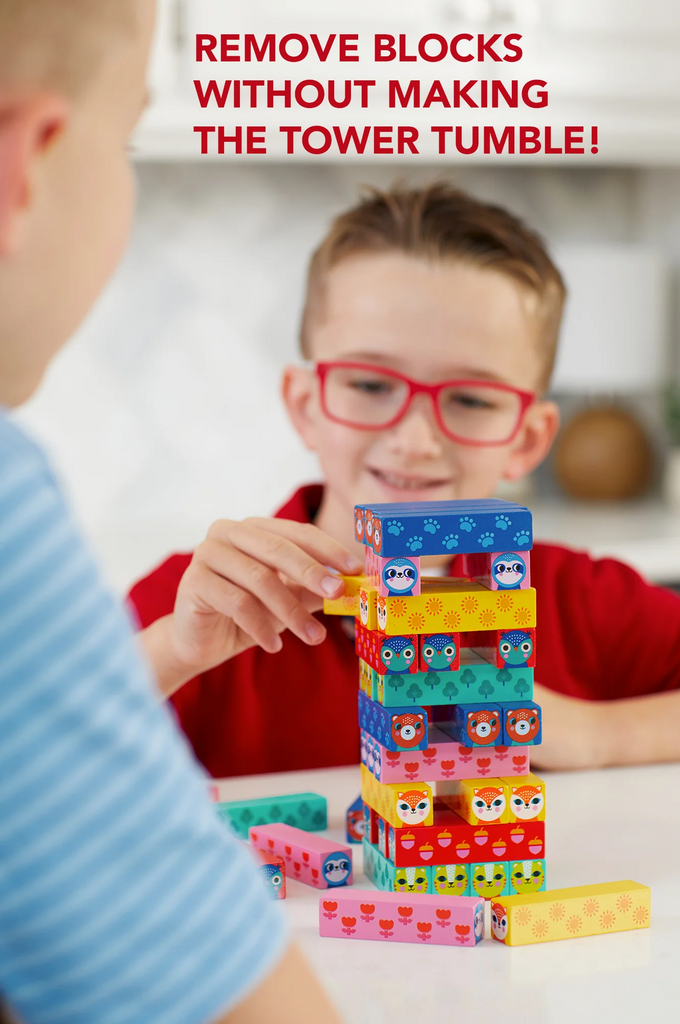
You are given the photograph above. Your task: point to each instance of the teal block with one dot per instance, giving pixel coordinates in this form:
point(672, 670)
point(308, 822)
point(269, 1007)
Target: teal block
point(382, 872)
point(308, 811)
point(478, 682)
point(490, 879)
point(526, 876)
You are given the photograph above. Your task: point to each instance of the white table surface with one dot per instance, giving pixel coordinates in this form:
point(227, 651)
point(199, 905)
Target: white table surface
point(601, 826)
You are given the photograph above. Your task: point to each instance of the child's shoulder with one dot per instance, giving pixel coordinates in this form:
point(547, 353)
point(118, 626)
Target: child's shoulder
point(17, 449)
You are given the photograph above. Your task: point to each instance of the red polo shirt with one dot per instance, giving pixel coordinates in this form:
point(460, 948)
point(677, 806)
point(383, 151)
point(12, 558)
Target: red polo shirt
point(603, 633)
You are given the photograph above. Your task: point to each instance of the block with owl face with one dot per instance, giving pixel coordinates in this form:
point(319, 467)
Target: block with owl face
point(402, 805)
point(393, 576)
point(387, 655)
point(440, 652)
point(521, 724)
point(395, 729)
point(355, 822)
point(472, 725)
point(510, 648)
point(273, 871)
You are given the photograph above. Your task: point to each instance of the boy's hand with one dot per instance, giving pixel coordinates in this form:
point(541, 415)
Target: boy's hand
point(574, 732)
point(247, 582)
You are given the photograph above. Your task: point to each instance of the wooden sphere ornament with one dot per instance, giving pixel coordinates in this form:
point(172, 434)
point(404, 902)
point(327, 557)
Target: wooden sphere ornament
point(603, 454)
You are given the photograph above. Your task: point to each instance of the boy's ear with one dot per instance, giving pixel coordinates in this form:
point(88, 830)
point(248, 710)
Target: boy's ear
point(299, 391)
point(534, 440)
point(28, 127)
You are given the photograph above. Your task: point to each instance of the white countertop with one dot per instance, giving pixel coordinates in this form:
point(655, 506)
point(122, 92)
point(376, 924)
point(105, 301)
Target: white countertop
point(601, 826)
point(645, 534)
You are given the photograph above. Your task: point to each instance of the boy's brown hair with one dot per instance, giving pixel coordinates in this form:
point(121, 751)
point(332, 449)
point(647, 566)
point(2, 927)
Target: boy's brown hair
point(59, 43)
point(440, 222)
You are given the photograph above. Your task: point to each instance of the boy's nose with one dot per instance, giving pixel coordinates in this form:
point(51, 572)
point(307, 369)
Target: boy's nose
point(417, 433)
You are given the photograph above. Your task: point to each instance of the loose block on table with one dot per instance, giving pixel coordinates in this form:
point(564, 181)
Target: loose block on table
point(436, 528)
point(475, 680)
point(453, 605)
point(388, 917)
point(387, 655)
point(571, 913)
point(273, 870)
point(393, 575)
point(497, 570)
point(394, 728)
point(308, 858)
point(451, 839)
point(308, 811)
point(407, 805)
point(443, 759)
point(355, 821)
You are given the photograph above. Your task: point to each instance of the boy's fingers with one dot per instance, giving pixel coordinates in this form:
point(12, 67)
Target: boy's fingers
point(314, 542)
point(263, 583)
point(236, 604)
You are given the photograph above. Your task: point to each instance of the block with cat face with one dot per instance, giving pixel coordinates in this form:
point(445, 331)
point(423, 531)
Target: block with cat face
point(389, 878)
point(490, 879)
point(402, 805)
point(526, 801)
point(526, 876)
point(477, 801)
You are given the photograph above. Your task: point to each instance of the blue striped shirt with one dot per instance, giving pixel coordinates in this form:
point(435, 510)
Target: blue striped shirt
point(122, 898)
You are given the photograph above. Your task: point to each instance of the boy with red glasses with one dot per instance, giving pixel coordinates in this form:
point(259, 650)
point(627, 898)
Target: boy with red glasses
point(431, 323)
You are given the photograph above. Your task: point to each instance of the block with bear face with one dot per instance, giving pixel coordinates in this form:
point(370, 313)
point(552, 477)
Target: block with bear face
point(472, 725)
point(521, 724)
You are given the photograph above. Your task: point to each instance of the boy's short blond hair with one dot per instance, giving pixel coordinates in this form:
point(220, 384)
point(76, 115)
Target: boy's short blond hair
point(440, 222)
point(59, 43)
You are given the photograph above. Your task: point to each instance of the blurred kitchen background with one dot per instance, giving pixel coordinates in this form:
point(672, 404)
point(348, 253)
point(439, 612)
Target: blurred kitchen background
point(163, 413)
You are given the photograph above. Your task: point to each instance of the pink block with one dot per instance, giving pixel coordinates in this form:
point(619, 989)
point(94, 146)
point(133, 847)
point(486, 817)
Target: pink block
point(446, 759)
point(401, 917)
point(374, 568)
point(308, 857)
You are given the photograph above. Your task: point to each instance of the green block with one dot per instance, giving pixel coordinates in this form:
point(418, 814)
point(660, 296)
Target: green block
point(475, 682)
point(308, 811)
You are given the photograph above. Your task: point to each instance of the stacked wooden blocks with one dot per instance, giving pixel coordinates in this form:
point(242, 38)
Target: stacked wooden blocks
point(446, 706)
point(447, 722)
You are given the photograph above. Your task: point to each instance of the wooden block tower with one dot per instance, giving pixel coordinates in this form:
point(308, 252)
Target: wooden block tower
point(446, 704)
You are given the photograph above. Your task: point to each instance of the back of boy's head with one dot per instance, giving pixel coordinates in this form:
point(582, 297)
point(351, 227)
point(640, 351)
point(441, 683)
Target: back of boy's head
point(59, 44)
point(442, 223)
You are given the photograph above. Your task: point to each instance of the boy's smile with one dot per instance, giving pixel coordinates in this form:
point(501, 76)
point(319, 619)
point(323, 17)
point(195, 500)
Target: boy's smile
point(433, 321)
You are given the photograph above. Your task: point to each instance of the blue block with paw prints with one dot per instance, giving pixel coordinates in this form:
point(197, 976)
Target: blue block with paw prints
point(446, 527)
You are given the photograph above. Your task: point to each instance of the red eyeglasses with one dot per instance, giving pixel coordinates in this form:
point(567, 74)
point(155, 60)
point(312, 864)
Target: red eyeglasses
point(467, 411)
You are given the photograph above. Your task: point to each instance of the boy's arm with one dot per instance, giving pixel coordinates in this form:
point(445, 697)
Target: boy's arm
point(291, 994)
point(246, 583)
point(597, 734)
